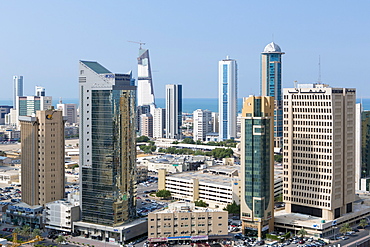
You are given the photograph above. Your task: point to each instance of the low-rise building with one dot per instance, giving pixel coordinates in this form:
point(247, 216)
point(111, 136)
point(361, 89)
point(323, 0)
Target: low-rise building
point(61, 214)
point(23, 214)
point(184, 221)
point(218, 186)
point(175, 163)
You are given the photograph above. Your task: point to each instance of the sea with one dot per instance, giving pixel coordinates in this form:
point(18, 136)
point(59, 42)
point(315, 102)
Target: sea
point(188, 104)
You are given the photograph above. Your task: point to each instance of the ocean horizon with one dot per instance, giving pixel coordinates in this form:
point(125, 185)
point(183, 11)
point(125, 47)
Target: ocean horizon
point(189, 105)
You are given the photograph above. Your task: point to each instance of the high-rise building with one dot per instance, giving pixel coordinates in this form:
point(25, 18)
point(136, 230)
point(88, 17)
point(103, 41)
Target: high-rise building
point(358, 144)
point(271, 85)
point(319, 150)
point(28, 105)
point(146, 122)
point(39, 91)
point(140, 110)
point(257, 165)
point(202, 124)
point(69, 111)
point(227, 98)
point(4, 110)
point(18, 88)
point(107, 145)
point(215, 123)
point(365, 151)
point(159, 122)
point(145, 91)
point(173, 111)
point(42, 140)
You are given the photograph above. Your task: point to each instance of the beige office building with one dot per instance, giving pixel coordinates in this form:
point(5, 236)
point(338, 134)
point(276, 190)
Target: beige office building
point(42, 143)
point(319, 150)
point(184, 221)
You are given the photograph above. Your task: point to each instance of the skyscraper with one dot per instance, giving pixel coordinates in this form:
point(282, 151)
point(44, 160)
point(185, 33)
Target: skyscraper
point(145, 91)
point(42, 139)
point(173, 111)
point(202, 124)
point(107, 145)
point(18, 89)
point(159, 122)
point(257, 165)
point(68, 110)
point(319, 150)
point(146, 121)
point(227, 98)
point(39, 91)
point(271, 85)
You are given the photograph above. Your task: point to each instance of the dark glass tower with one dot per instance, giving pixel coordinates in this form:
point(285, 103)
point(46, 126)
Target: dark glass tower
point(107, 145)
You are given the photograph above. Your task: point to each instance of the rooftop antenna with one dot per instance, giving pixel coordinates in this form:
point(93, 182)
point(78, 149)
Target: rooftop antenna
point(60, 100)
point(140, 43)
point(319, 79)
point(295, 84)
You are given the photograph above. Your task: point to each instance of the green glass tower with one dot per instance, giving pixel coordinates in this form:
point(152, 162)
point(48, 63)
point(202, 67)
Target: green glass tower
point(257, 165)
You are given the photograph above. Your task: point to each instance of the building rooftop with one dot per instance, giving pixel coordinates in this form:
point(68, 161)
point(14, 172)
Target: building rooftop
point(272, 47)
point(96, 67)
point(186, 207)
point(221, 175)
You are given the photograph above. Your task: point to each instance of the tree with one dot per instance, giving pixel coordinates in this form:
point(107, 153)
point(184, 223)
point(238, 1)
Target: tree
point(199, 142)
point(345, 228)
point(201, 203)
point(302, 232)
point(363, 223)
point(142, 139)
point(278, 158)
point(233, 208)
point(26, 231)
point(36, 232)
point(60, 239)
point(188, 141)
point(163, 193)
point(219, 153)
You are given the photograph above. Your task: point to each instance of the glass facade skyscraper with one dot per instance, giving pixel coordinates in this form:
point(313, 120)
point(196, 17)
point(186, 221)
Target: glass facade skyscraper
point(271, 85)
point(145, 91)
point(173, 111)
point(107, 145)
point(257, 165)
point(227, 98)
point(18, 89)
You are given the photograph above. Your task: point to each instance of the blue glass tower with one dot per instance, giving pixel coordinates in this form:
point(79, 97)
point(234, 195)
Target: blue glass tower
point(271, 86)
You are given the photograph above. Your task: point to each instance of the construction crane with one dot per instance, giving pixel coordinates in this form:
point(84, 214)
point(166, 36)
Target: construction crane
point(15, 244)
point(140, 43)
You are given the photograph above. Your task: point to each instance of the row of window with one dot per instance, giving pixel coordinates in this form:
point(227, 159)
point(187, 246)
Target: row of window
point(310, 182)
point(307, 201)
point(308, 96)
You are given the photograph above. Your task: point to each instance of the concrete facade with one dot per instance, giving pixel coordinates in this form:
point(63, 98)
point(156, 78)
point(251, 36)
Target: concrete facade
point(42, 144)
point(319, 150)
point(183, 220)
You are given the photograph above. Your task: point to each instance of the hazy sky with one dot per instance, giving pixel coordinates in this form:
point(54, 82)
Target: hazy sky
point(43, 40)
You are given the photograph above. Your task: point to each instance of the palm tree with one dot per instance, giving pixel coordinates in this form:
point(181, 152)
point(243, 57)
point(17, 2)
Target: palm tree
point(345, 228)
point(26, 231)
point(36, 232)
point(60, 239)
point(363, 223)
point(302, 232)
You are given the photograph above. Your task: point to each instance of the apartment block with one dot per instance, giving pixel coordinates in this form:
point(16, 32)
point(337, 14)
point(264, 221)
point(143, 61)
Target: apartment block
point(185, 221)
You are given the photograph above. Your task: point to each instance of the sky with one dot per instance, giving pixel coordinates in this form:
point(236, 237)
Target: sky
point(43, 40)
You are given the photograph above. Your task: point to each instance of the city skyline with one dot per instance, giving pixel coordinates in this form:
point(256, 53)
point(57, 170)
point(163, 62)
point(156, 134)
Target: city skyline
point(177, 46)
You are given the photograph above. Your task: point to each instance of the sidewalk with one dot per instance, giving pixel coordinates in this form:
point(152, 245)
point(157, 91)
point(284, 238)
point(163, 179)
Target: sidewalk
point(96, 243)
